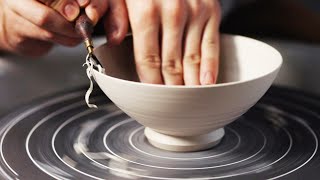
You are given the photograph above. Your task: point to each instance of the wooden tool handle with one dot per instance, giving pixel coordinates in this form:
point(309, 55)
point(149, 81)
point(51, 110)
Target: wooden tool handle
point(84, 26)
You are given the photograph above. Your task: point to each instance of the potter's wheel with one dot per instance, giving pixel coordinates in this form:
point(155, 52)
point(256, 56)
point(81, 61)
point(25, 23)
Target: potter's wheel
point(59, 137)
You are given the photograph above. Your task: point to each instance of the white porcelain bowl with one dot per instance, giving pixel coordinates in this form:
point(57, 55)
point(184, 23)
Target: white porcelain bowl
point(190, 118)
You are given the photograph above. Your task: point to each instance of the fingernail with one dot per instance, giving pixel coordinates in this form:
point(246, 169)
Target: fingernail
point(207, 79)
point(82, 2)
point(71, 11)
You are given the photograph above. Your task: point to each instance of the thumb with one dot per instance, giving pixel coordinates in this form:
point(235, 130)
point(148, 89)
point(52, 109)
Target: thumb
point(96, 9)
point(116, 22)
point(69, 9)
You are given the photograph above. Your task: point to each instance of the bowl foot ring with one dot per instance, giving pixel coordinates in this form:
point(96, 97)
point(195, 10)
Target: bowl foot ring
point(184, 144)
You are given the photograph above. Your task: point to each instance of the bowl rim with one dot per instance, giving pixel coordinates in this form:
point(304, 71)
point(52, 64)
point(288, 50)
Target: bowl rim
point(276, 53)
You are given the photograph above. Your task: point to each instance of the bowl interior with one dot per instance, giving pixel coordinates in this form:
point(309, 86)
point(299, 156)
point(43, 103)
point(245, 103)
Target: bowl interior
point(241, 59)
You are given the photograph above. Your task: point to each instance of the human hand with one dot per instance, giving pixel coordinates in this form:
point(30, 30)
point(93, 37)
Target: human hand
point(176, 42)
point(114, 12)
point(29, 27)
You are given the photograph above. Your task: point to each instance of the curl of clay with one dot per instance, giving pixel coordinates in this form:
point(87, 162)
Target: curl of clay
point(90, 63)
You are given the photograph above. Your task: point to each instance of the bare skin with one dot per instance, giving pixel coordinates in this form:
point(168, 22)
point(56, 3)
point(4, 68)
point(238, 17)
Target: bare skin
point(175, 42)
point(31, 27)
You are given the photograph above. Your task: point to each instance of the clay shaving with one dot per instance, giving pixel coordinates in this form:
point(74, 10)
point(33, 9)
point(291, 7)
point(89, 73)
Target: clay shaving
point(91, 64)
